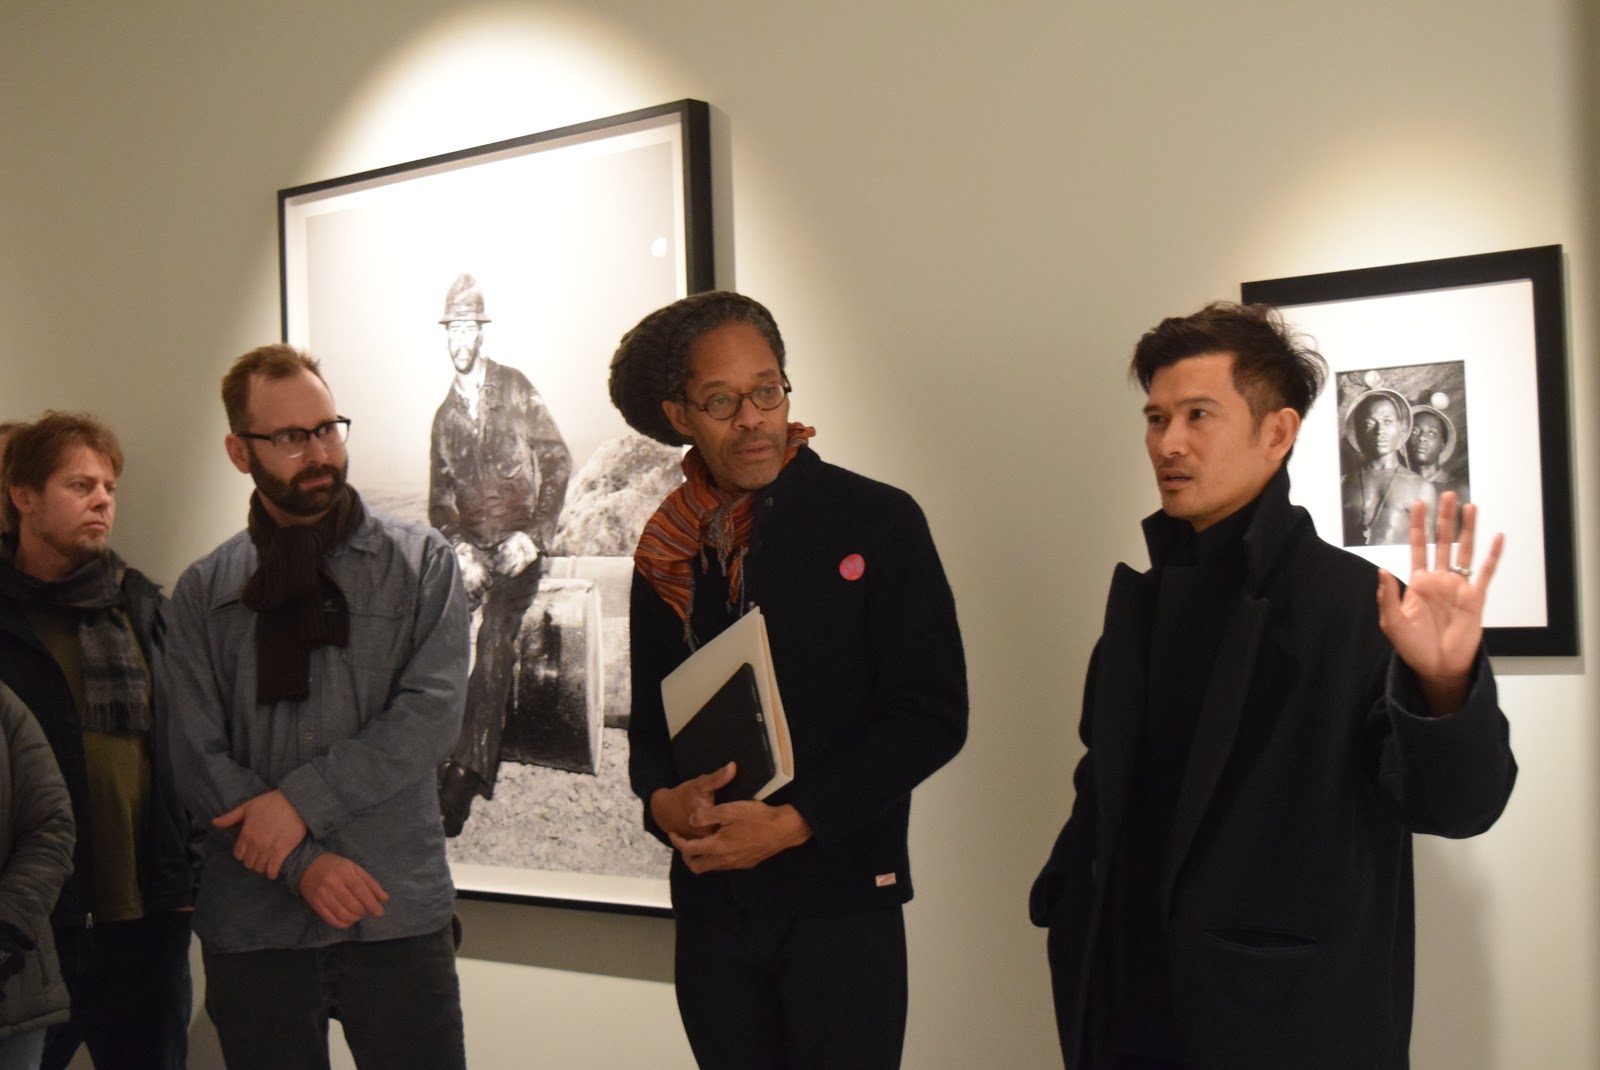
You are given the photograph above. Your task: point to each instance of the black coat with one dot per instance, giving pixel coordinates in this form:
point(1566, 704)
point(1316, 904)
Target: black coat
point(1287, 881)
point(873, 682)
point(166, 864)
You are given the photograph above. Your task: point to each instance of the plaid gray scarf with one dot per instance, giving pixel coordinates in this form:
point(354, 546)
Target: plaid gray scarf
point(116, 681)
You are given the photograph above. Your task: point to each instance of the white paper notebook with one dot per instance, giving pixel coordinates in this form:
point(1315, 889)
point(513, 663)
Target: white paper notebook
point(691, 685)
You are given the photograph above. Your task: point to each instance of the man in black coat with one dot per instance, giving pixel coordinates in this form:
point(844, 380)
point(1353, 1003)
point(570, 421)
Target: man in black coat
point(1268, 719)
point(790, 938)
point(80, 638)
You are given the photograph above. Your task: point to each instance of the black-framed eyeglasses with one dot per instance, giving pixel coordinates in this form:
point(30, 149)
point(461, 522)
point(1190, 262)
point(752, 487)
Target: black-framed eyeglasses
point(725, 405)
point(292, 441)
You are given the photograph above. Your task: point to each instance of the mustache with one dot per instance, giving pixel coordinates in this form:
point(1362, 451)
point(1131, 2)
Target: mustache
point(308, 474)
point(752, 438)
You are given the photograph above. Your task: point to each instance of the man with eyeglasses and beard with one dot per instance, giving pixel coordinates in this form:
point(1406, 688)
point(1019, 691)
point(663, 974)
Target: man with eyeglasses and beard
point(790, 938)
point(80, 641)
point(316, 665)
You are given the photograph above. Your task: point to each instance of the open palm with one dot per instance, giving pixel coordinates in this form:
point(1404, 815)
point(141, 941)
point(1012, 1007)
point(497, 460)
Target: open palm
point(1436, 627)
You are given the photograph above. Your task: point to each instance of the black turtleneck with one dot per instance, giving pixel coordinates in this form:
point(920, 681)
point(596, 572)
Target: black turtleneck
point(1199, 577)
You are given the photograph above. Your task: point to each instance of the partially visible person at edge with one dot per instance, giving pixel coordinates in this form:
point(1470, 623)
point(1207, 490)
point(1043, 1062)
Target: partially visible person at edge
point(7, 428)
point(81, 637)
point(316, 667)
point(1268, 719)
point(790, 938)
point(35, 860)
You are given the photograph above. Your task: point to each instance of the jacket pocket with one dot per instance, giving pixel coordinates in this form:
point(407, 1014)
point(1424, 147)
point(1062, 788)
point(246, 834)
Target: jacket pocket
point(1262, 941)
point(376, 636)
point(1253, 971)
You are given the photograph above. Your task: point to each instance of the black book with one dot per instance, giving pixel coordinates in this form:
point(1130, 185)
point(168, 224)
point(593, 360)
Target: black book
point(729, 727)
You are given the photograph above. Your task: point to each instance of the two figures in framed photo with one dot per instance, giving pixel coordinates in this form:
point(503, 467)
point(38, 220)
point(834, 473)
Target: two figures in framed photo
point(1403, 439)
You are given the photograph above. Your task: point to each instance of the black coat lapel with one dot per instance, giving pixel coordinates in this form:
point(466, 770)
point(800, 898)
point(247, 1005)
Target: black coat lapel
point(1118, 701)
point(1214, 732)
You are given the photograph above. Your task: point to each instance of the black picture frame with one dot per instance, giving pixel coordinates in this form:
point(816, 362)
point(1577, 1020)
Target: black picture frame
point(1487, 335)
point(572, 235)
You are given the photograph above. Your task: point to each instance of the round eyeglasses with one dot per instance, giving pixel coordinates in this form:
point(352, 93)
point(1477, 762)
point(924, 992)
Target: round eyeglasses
point(292, 441)
point(724, 404)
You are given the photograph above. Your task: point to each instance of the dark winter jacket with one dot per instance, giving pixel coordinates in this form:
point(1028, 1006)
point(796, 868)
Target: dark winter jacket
point(166, 878)
point(872, 677)
point(1287, 883)
point(35, 859)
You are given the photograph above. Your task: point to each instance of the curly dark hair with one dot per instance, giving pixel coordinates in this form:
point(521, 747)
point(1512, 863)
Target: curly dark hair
point(652, 360)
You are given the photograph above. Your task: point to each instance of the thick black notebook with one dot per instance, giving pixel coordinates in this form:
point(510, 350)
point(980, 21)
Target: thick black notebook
point(729, 727)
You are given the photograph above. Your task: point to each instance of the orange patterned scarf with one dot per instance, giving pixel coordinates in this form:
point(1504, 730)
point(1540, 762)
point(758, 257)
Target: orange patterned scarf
point(697, 517)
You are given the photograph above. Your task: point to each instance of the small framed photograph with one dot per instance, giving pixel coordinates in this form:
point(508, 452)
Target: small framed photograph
point(465, 309)
point(1445, 375)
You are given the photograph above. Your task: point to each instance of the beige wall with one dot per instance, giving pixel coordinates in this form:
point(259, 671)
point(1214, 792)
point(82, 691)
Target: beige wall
point(963, 217)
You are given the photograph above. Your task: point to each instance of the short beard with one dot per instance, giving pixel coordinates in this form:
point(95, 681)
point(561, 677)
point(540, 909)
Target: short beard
point(80, 550)
point(290, 496)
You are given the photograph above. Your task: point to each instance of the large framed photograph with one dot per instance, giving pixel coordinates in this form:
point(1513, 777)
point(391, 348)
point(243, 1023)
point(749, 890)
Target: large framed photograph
point(1445, 375)
point(465, 308)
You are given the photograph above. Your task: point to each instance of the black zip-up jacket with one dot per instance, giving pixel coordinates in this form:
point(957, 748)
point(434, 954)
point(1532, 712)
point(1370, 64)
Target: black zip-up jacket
point(166, 873)
point(873, 680)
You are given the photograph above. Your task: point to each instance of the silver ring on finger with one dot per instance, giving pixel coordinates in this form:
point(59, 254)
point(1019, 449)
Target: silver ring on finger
point(1464, 573)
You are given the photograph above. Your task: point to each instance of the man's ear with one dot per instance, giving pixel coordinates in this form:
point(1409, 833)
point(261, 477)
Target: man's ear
point(22, 498)
point(1282, 428)
point(238, 452)
point(677, 415)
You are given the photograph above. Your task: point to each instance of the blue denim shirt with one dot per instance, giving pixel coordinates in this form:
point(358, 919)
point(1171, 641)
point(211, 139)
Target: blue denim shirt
point(356, 759)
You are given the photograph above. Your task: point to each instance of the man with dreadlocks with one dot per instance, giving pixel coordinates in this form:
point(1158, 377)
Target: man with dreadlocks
point(316, 670)
point(791, 943)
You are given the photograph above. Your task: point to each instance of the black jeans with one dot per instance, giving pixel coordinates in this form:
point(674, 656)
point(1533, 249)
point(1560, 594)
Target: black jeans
point(794, 992)
point(398, 1000)
point(131, 994)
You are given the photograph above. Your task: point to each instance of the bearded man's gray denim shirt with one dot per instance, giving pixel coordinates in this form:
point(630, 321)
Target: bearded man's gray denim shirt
point(356, 759)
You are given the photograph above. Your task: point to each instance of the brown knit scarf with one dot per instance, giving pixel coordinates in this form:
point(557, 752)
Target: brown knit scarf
point(696, 517)
point(298, 605)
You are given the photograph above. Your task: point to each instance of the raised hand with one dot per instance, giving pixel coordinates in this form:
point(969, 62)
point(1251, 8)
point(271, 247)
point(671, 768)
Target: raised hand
point(1436, 627)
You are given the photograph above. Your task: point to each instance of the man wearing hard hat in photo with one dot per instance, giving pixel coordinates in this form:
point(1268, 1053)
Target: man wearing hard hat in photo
point(495, 489)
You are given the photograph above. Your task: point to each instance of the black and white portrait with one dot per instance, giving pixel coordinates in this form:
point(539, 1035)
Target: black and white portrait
point(1478, 341)
point(465, 315)
point(1402, 439)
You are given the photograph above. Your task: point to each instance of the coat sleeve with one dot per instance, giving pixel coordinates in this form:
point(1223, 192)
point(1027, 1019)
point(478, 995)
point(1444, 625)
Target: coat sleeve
point(1071, 860)
point(1447, 776)
point(919, 690)
point(555, 469)
point(442, 511)
point(40, 813)
point(652, 651)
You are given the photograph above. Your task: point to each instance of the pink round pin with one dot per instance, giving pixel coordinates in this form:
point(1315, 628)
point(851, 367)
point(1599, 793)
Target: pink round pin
point(852, 567)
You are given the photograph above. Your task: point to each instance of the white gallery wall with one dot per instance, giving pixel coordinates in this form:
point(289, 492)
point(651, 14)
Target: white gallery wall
point(963, 216)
